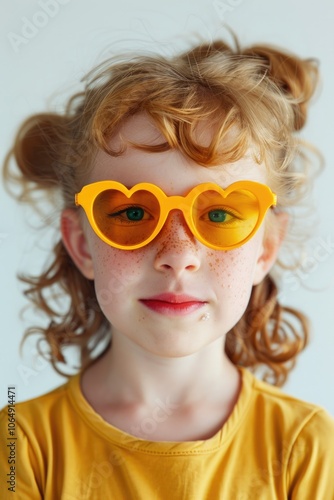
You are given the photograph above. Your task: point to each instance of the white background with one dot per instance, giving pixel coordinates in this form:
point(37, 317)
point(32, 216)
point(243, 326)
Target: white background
point(77, 36)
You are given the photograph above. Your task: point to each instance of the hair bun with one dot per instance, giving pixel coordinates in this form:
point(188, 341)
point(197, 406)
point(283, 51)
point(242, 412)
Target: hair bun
point(297, 77)
point(36, 152)
point(36, 149)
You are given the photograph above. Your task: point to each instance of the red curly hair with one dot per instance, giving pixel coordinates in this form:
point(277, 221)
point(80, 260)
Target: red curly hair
point(262, 92)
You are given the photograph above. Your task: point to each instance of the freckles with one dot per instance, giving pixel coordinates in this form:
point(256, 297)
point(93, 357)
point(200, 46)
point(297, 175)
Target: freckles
point(177, 247)
point(118, 263)
point(129, 262)
point(167, 237)
point(232, 270)
point(220, 265)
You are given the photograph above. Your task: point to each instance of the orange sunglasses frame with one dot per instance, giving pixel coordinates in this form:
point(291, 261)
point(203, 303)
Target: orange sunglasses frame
point(86, 197)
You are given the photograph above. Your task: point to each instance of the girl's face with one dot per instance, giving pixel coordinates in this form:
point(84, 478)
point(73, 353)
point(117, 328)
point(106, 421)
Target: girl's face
point(174, 296)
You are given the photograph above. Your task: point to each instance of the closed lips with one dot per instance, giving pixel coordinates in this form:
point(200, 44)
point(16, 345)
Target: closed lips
point(171, 304)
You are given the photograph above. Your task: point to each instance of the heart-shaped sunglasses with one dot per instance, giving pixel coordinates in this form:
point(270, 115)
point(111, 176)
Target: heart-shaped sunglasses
point(219, 218)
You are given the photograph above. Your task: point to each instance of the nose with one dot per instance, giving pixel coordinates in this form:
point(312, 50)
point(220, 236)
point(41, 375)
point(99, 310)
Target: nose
point(177, 247)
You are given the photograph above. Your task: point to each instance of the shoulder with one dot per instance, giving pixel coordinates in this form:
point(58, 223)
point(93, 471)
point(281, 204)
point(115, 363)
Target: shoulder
point(40, 430)
point(286, 414)
point(33, 413)
point(299, 434)
point(268, 397)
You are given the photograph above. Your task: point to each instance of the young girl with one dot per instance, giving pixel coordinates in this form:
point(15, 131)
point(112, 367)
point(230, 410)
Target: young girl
point(177, 176)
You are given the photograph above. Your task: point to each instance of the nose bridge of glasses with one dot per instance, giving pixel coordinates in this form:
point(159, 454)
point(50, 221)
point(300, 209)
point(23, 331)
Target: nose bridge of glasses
point(180, 203)
point(177, 204)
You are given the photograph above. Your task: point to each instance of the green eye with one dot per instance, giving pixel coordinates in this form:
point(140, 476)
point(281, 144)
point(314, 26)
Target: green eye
point(135, 213)
point(218, 216)
point(130, 214)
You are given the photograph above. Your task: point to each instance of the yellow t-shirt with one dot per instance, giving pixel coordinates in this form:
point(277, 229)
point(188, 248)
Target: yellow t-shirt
point(273, 446)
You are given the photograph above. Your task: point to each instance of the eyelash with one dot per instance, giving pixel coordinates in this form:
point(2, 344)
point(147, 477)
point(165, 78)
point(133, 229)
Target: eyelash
point(229, 211)
point(116, 215)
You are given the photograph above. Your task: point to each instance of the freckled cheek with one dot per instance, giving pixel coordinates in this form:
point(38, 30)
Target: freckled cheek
point(124, 265)
point(233, 271)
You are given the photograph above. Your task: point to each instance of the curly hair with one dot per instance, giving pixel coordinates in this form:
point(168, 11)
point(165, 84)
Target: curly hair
point(261, 92)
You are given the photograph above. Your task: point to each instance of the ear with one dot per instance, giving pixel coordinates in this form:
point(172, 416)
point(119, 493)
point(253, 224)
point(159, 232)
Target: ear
point(271, 244)
point(75, 242)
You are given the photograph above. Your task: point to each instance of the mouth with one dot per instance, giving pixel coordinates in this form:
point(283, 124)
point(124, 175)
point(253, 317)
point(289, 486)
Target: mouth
point(170, 304)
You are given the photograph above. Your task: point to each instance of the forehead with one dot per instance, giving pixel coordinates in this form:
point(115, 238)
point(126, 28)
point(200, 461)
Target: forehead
point(170, 170)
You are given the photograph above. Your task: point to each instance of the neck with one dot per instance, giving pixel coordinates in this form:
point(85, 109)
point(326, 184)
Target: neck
point(126, 374)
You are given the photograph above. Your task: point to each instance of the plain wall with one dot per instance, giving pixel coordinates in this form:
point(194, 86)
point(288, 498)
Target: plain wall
point(70, 38)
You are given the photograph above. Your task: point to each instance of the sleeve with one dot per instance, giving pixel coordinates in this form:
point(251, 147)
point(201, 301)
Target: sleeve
point(18, 465)
point(311, 463)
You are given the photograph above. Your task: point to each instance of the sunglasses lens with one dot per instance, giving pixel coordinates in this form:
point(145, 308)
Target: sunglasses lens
point(225, 221)
point(126, 221)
